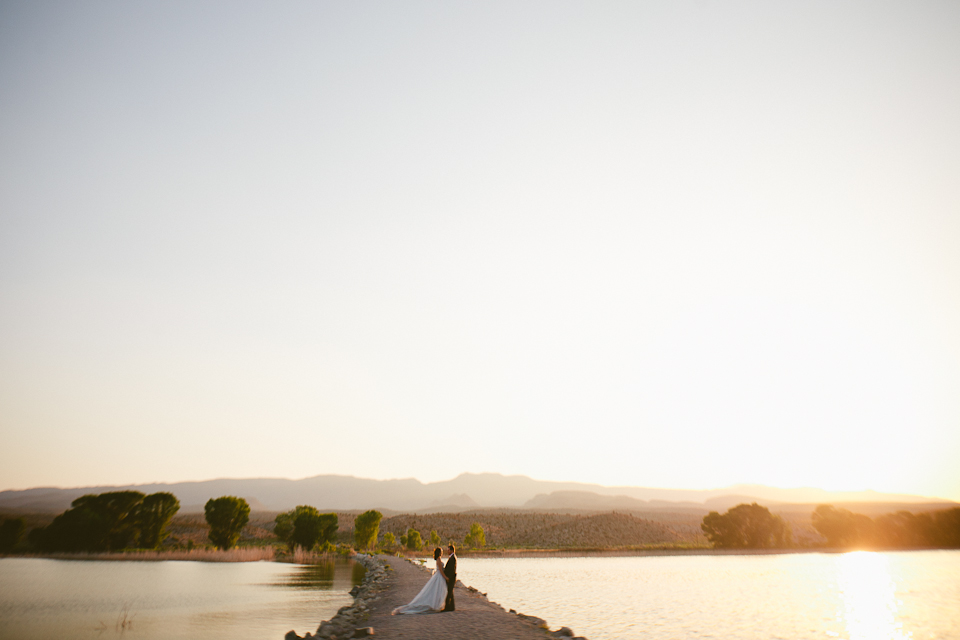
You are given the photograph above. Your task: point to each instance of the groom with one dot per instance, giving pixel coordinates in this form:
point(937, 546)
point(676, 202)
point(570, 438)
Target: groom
point(450, 571)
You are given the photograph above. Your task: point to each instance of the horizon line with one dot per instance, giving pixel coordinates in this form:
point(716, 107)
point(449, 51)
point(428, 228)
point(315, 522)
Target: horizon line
point(484, 473)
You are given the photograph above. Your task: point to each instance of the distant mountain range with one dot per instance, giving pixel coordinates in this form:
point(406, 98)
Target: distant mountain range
point(466, 492)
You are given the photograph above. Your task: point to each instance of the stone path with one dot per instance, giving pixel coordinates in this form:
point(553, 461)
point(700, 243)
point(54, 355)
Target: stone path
point(476, 618)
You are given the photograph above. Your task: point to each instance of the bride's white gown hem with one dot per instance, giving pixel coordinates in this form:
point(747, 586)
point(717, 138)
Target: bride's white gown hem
point(431, 597)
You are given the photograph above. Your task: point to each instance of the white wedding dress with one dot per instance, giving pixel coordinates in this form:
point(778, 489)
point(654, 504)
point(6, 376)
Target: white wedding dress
point(431, 597)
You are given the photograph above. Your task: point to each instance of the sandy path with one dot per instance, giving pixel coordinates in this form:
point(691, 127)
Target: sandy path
point(476, 618)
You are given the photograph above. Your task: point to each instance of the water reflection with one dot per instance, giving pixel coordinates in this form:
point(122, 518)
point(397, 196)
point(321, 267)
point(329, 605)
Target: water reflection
point(172, 600)
point(323, 576)
point(870, 597)
point(882, 596)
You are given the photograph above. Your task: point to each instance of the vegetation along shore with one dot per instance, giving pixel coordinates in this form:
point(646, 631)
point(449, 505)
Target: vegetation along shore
point(391, 581)
point(131, 525)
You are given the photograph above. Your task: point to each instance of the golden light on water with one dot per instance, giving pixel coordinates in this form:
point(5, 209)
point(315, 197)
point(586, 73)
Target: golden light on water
point(869, 598)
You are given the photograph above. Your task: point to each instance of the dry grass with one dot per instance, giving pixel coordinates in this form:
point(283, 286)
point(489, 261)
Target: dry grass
point(239, 554)
point(302, 556)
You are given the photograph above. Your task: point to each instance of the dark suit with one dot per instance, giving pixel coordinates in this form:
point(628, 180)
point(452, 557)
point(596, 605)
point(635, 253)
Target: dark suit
point(450, 571)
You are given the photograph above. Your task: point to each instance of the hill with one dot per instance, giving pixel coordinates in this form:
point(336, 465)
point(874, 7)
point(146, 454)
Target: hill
point(465, 492)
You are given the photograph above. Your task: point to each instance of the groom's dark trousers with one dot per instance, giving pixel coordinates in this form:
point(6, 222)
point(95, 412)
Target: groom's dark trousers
point(450, 571)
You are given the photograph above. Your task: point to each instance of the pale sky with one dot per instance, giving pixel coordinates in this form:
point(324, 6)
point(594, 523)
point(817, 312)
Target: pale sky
point(673, 244)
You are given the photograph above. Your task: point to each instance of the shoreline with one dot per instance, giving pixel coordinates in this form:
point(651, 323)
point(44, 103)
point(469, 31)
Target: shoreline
point(391, 581)
point(270, 554)
point(239, 554)
point(626, 553)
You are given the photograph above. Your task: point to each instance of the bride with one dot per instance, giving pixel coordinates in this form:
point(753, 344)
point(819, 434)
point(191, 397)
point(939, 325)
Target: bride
point(433, 594)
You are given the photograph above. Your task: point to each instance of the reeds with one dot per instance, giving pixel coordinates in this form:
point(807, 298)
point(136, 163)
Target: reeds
point(238, 554)
point(303, 556)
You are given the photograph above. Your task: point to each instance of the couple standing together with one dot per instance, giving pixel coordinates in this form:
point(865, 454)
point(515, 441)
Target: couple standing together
point(439, 589)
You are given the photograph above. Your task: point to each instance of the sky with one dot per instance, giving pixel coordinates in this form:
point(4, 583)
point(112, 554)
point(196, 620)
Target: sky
point(675, 244)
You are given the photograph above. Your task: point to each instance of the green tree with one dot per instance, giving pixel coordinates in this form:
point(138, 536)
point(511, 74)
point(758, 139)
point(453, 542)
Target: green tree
point(389, 541)
point(902, 530)
point(414, 541)
point(94, 522)
point(746, 526)
point(843, 528)
point(76, 529)
point(312, 528)
point(366, 527)
point(117, 511)
point(476, 538)
point(403, 540)
point(153, 515)
point(11, 533)
point(945, 531)
point(227, 516)
point(283, 524)
point(434, 539)
point(306, 527)
point(329, 524)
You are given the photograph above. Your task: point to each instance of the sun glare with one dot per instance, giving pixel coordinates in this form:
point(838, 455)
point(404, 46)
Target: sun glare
point(869, 598)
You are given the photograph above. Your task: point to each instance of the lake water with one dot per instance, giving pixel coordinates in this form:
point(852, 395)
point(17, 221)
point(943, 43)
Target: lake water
point(852, 596)
point(169, 600)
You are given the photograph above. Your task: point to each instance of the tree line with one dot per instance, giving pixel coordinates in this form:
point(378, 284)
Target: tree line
point(109, 522)
point(119, 520)
point(900, 530)
point(751, 526)
point(413, 541)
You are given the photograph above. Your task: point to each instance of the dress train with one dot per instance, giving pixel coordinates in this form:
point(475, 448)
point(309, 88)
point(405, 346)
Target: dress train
point(430, 598)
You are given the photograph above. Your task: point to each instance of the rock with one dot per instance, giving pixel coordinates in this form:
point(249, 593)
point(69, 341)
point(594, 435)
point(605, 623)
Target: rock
point(538, 622)
point(354, 591)
point(291, 635)
point(563, 632)
point(326, 629)
point(363, 632)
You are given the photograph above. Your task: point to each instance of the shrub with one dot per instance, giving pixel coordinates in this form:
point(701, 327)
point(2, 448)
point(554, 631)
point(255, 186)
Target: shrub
point(389, 541)
point(414, 542)
point(476, 538)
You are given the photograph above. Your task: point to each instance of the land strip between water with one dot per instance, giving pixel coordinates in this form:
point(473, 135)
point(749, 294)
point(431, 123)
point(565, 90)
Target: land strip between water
point(392, 581)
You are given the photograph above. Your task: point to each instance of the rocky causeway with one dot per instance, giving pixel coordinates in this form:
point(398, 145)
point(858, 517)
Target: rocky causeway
point(391, 581)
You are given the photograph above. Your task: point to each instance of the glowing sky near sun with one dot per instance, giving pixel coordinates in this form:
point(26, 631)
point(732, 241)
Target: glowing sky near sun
point(662, 244)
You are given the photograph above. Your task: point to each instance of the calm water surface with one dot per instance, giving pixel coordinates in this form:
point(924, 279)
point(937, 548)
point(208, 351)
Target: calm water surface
point(168, 600)
point(853, 596)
